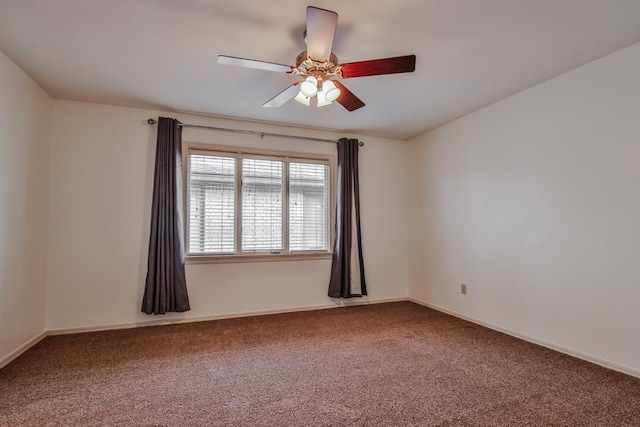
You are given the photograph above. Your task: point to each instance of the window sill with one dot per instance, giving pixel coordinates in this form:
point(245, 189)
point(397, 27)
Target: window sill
point(223, 259)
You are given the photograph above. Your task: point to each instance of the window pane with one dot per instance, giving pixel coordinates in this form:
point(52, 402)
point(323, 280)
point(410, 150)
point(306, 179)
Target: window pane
point(212, 204)
point(308, 207)
point(262, 205)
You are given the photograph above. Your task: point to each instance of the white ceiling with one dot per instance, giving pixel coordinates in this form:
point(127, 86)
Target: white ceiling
point(162, 53)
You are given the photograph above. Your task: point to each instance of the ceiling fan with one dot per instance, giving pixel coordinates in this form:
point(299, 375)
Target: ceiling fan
point(319, 68)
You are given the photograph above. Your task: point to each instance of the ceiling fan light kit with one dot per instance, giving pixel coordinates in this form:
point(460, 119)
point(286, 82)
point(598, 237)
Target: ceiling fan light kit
point(325, 92)
point(319, 67)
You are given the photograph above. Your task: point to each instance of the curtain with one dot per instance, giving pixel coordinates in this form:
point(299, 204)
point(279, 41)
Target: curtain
point(166, 288)
point(347, 269)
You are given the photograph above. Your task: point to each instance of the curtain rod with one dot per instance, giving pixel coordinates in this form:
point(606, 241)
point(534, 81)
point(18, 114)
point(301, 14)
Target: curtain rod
point(252, 132)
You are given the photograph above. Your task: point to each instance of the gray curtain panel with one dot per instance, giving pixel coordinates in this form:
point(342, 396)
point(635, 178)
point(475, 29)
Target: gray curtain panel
point(166, 288)
point(347, 269)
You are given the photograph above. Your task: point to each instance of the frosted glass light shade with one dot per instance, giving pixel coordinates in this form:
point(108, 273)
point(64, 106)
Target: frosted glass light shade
point(331, 92)
point(301, 98)
point(309, 87)
point(322, 99)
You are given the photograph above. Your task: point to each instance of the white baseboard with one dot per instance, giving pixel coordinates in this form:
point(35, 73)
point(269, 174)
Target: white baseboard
point(172, 321)
point(543, 343)
point(175, 321)
point(26, 346)
point(339, 303)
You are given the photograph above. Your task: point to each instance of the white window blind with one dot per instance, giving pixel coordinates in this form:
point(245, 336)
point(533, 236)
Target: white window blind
point(212, 204)
point(308, 207)
point(263, 190)
point(256, 204)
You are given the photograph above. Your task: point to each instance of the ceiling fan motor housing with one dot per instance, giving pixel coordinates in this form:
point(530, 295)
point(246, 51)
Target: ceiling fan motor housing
point(305, 66)
point(303, 56)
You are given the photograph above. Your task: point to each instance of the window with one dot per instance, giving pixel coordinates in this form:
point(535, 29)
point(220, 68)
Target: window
point(243, 203)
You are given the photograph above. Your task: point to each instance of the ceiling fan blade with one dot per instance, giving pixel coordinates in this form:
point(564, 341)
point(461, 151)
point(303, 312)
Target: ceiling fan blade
point(252, 63)
point(376, 67)
point(347, 99)
point(283, 96)
point(321, 27)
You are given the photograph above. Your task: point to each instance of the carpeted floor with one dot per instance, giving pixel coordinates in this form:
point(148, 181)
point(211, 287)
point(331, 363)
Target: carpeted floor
point(397, 364)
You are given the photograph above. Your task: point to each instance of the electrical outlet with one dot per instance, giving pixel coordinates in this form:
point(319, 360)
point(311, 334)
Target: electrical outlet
point(463, 289)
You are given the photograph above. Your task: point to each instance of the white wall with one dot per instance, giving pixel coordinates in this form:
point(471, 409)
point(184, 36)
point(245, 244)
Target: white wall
point(534, 203)
point(101, 180)
point(25, 124)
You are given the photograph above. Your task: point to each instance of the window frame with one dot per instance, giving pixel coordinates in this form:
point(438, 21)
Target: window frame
point(266, 154)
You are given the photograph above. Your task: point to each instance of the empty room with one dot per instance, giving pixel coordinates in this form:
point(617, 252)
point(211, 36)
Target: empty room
point(233, 213)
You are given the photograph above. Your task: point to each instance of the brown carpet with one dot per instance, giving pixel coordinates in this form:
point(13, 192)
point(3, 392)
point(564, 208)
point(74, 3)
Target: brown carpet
point(397, 364)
